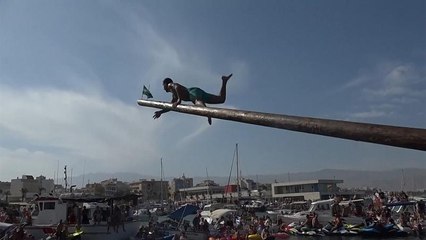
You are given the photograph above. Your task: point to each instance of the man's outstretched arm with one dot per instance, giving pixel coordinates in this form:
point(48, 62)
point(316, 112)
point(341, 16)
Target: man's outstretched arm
point(157, 114)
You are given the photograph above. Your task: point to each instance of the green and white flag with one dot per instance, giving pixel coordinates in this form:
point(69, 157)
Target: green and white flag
point(146, 92)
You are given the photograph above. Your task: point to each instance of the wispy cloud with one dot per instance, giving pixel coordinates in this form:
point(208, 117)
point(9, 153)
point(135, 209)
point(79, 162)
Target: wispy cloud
point(402, 80)
point(389, 84)
point(369, 114)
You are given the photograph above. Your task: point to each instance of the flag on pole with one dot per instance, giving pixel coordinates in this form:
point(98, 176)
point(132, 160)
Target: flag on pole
point(146, 92)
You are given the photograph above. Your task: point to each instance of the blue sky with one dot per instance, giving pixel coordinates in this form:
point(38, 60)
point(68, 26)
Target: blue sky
point(71, 72)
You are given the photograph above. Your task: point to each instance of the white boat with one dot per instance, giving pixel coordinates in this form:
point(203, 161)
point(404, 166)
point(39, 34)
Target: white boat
point(209, 208)
point(290, 208)
point(323, 209)
point(220, 213)
point(254, 205)
point(49, 211)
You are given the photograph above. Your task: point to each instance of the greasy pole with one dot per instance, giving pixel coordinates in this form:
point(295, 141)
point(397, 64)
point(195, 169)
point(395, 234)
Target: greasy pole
point(404, 137)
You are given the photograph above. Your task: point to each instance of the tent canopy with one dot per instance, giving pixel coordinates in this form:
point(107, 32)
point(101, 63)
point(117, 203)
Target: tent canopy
point(183, 211)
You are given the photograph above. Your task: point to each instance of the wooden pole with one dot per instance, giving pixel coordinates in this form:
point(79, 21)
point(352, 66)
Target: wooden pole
point(404, 137)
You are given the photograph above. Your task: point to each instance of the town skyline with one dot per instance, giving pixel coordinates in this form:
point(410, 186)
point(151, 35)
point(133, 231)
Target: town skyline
point(397, 179)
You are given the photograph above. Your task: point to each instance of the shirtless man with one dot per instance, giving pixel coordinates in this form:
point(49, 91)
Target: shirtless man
point(194, 94)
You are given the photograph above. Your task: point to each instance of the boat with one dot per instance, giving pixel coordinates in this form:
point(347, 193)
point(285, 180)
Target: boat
point(50, 211)
point(323, 209)
point(6, 229)
point(377, 230)
point(209, 208)
point(399, 209)
point(289, 208)
point(345, 230)
point(219, 214)
point(254, 205)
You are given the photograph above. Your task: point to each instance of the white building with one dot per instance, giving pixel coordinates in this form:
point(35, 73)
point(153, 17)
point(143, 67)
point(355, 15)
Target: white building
point(306, 190)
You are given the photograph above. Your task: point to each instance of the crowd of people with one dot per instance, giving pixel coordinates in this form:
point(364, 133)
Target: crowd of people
point(379, 212)
point(242, 224)
point(14, 215)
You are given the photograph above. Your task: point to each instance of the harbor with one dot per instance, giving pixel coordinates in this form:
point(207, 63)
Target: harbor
point(241, 209)
point(212, 120)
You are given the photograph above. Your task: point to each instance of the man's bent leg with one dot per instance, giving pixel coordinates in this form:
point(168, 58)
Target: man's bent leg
point(218, 99)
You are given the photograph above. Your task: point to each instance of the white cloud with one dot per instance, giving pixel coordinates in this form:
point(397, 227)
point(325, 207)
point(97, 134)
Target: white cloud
point(17, 162)
point(402, 80)
point(388, 84)
point(87, 124)
point(374, 111)
point(179, 60)
point(369, 114)
point(72, 127)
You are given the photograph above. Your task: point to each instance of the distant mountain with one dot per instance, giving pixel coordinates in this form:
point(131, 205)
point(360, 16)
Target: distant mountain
point(121, 176)
point(406, 179)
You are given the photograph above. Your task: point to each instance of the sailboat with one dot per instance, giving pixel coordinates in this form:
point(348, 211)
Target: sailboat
point(228, 188)
point(160, 209)
point(252, 204)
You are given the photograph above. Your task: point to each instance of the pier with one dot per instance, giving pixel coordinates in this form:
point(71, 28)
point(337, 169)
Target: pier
point(397, 136)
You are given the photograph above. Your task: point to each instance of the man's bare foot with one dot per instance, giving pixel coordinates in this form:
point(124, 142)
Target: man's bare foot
point(226, 78)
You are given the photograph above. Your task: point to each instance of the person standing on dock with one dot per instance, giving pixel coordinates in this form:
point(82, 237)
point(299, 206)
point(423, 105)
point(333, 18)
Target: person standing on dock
point(194, 94)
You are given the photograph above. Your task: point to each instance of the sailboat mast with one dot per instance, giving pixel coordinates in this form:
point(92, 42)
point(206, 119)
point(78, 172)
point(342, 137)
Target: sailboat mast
point(161, 182)
point(238, 176)
point(208, 182)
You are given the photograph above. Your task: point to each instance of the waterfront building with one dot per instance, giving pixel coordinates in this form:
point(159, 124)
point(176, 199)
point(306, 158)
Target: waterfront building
point(113, 187)
point(248, 184)
point(25, 188)
point(306, 190)
point(179, 183)
point(150, 190)
point(207, 183)
point(199, 193)
point(4, 191)
point(95, 189)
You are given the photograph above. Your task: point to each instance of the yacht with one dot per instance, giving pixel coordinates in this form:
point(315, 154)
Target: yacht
point(323, 209)
point(49, 211)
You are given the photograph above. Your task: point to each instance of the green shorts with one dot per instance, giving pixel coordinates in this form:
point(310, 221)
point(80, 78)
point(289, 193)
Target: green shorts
point(198, 94)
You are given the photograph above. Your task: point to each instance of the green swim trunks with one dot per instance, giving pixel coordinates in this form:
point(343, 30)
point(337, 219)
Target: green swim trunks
point(198, 94)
